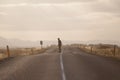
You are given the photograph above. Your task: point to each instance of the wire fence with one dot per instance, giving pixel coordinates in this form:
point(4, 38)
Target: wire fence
point(100, 49)
point(13, 52)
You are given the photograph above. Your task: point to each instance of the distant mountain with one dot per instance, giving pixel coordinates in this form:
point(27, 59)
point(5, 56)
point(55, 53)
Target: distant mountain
point(104, 42)
point(93, 42)
point(16, 43)
point(22, 43)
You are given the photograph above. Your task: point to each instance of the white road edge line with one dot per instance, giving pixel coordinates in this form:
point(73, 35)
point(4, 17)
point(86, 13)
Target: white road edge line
point(62, 66)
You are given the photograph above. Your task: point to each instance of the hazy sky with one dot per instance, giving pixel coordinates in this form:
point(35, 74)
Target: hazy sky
point(68, 19)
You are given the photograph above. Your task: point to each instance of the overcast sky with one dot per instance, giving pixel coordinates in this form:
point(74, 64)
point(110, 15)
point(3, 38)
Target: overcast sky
point(68, 19)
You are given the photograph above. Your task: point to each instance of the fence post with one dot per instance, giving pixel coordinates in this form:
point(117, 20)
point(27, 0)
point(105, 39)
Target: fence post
point(8, 51)
point(32, 50)
point(91, 49)
point(114, 50)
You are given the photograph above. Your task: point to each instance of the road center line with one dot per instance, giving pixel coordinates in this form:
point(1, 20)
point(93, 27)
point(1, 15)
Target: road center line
point(62, 67)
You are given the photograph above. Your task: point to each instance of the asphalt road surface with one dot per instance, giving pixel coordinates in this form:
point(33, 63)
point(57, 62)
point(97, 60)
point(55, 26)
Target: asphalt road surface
point(71, 64)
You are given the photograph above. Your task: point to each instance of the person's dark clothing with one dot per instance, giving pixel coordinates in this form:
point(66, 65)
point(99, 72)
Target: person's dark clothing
point(59, 44)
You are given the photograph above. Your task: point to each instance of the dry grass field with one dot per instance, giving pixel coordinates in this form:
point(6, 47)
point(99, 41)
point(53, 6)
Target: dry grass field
point(104, 49)
point(21, 52)
point(101, 49)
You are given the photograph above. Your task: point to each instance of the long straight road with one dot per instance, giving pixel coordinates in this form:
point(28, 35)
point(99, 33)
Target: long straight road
point(71, 64)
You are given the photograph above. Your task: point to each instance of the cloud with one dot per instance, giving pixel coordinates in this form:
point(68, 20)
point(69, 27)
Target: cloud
point(86, 18)
point(41, 1)
point(42, 4)
point(3, 13)
point(36, 35)
point(111, 6)
point(63, 16)
point(13, 5)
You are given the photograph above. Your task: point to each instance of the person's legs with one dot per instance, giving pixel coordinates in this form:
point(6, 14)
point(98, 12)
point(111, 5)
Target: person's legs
point(59, 49)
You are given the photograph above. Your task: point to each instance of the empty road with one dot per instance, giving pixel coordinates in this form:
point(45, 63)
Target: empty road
point(71, 64)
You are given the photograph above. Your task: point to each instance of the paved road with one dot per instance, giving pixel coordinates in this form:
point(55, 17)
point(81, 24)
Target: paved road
point(71, 64)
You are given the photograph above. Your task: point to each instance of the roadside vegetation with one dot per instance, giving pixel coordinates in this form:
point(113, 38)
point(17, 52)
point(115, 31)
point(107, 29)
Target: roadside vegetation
point(100, 49)
point(21, 52)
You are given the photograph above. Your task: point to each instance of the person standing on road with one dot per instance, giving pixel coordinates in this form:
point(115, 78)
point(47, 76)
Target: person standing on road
point(59, 45)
